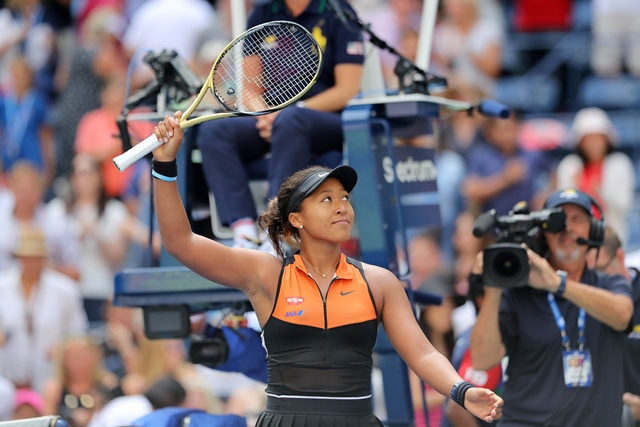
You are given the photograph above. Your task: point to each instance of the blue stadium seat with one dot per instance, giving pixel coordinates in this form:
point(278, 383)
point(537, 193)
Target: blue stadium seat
point(621, 92)
point(627, 123)
point(530, 94)
point(581, 15)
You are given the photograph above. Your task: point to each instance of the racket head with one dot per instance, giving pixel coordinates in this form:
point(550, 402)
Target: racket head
point(264, 69)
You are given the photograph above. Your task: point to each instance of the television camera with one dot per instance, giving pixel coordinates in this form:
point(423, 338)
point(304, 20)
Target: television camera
point(172, 297)
point(505, 263)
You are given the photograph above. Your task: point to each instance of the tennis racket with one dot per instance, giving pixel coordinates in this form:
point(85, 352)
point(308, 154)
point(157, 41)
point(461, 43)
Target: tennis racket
point(264, 69)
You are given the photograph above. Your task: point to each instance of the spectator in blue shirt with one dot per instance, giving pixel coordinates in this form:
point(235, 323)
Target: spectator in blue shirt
point(25, 132)
point(499, 172)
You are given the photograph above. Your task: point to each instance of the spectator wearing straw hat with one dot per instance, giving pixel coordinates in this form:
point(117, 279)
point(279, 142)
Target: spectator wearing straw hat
point(39, 306)
point(598, 169)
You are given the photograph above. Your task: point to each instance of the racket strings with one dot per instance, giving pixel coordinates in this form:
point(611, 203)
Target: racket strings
point(292, 88)
point(266, 69)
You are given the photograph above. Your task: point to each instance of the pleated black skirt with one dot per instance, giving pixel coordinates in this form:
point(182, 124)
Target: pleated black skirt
point(292, 412)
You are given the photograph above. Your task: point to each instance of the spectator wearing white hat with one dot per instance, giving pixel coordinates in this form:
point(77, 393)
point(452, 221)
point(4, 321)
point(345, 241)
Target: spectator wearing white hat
point(596, 168)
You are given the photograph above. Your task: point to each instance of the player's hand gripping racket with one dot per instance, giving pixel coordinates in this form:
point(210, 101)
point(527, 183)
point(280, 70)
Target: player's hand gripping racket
point(264, 69)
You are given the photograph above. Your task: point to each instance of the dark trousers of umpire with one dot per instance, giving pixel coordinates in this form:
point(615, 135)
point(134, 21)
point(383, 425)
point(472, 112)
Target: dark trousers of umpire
point(231, 148)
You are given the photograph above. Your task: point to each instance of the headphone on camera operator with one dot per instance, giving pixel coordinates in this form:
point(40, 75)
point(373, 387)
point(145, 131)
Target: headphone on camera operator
point(591, 205)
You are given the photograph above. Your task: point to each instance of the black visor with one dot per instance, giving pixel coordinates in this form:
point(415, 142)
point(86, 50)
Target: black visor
point(345, 174)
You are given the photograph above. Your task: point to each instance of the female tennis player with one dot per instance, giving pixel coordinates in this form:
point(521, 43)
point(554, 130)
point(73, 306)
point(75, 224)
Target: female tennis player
point(319, 310)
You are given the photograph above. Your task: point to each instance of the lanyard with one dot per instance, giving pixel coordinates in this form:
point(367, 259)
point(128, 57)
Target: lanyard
point(562, 325)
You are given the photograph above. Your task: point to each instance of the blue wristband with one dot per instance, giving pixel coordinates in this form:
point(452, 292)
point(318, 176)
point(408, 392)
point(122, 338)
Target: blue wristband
point(163, 177)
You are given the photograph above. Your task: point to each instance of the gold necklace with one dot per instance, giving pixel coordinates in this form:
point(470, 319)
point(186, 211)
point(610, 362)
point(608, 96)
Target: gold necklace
point(316, 270)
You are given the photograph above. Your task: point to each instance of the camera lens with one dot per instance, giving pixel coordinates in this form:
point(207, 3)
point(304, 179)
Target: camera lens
point(209, 351)
point(507, 264)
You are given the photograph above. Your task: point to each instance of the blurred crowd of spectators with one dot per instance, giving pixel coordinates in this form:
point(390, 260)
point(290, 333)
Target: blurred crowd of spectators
point(70, 220)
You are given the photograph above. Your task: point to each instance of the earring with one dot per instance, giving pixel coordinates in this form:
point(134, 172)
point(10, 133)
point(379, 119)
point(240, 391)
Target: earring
point(300, 226)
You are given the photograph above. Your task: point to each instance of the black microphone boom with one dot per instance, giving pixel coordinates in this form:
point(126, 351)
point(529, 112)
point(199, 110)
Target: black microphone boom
point(421, 79)
point(583, 242)
point(339, 12)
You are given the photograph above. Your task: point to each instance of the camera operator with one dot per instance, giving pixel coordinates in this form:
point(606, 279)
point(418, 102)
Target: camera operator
point(563, 333)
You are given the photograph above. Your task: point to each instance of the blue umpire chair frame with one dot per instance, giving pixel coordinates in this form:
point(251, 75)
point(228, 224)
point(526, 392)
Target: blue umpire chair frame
point(396, 196)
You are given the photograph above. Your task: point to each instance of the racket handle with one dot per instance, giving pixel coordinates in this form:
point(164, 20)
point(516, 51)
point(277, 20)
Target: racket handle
point(136, 152)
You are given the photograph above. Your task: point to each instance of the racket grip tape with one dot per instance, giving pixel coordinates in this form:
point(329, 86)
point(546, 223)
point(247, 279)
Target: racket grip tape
point(137, 152)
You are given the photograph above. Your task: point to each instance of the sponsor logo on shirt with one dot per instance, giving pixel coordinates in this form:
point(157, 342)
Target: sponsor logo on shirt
point(294, 313)
point(295, 300)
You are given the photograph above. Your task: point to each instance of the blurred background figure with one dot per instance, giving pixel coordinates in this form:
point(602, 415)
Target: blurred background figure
point(597, 168)
point(616, 32)
point(97, 135)
point(24, 122)
point(27, 404)
point(397, 22)
point(26, 208)
point(462, 130)
point(466, 247)
point(429, 273)
point(611, 259)
point(95, 55)
point(468, 46)
point(104, 228)
point(185, 23)
point(247, 402)
point(157, 359)
point(25, 32)
point(39, 306)
point(124, 410)
point(81, 384)
point(7, 394)
point(119, 340)
point(499, 172)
